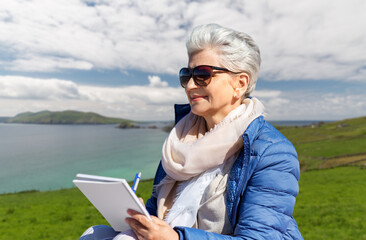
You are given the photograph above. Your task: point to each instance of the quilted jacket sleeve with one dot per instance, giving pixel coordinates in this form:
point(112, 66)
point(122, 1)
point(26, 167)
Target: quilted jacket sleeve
point(265, 209)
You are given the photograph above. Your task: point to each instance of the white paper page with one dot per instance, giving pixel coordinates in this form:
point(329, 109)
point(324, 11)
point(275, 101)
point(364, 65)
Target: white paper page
point(112, 199)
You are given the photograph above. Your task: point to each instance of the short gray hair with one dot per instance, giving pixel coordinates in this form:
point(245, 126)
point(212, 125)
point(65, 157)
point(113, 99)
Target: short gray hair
point(237, 50)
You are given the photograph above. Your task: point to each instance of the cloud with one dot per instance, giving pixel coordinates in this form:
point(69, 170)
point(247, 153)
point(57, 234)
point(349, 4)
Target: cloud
point(18, 87)
point(49, 64)
point(20, 94)
point(108, 35)
point(304, 105)
point(150, 102)
point(298, 40)
point(266, 93)
point(155, 81)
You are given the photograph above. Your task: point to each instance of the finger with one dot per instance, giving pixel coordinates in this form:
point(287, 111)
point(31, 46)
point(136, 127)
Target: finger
point(139, 236)
point(157, 220)
point(137, 233)
point(134, 224)
point(139, 217)
point(137, 228)
point(142, 201)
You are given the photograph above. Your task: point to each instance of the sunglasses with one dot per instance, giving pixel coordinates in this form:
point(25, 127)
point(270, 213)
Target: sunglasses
point(201, 75)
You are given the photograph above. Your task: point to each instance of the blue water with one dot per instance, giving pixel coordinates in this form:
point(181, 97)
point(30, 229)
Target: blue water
point(47, 157)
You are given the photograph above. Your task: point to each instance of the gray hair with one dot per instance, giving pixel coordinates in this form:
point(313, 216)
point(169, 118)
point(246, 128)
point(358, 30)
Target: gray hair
point(238, 52)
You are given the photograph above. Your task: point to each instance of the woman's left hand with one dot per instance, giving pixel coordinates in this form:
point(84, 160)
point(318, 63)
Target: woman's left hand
point(145, 229)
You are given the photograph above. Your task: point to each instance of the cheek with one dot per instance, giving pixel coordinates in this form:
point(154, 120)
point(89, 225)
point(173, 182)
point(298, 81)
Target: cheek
point(187, 94)
point(222, 94)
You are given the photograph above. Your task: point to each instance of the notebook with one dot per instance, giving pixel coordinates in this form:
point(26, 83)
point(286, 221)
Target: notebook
point(112, 197)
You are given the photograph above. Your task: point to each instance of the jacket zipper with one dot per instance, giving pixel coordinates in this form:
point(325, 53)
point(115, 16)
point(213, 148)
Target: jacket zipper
point(243, 178)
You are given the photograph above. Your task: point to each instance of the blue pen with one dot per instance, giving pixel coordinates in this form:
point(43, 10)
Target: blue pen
point(136, 181)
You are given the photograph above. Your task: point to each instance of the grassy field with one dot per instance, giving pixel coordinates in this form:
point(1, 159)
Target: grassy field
point(329, 145)
point(331, 205)
point(62, 214)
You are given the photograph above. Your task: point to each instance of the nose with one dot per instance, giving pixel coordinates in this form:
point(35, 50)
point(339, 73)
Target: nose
point(191, 84)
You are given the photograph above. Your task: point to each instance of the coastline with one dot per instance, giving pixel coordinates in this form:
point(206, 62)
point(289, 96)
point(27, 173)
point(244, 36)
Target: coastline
point(61, 189)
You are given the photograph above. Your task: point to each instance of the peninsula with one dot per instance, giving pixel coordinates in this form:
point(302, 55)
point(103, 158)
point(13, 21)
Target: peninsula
point(64, 117)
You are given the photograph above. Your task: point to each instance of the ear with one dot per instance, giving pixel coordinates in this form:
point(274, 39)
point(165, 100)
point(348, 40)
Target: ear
point(243, 83)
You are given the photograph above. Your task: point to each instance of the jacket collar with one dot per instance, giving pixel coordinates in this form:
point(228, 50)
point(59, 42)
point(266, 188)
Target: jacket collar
point(180, 111)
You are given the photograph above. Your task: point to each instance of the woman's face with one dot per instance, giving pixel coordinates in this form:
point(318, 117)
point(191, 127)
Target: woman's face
point(216, 100)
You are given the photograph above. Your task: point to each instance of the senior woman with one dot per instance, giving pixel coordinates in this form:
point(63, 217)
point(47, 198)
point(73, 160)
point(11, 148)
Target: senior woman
point(225, 172)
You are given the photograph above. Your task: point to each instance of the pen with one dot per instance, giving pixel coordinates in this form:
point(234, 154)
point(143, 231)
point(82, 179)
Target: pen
point(136, 181)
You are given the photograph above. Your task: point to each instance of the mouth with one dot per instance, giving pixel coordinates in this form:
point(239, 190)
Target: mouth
point(197, 98)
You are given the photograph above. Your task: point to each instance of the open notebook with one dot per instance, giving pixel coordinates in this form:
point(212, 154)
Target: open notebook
point(112, 197)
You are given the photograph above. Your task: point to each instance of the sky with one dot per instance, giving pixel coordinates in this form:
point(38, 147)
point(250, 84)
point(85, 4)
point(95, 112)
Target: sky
point(121, 58)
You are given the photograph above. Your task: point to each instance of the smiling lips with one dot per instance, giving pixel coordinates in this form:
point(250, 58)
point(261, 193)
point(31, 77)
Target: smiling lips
point(197, 97)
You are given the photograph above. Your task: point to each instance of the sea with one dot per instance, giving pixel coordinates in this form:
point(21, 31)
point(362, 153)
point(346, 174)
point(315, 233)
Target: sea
point(48, 157)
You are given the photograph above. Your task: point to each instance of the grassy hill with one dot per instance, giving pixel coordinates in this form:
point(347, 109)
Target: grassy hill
point(65, 117)
point(329, 144)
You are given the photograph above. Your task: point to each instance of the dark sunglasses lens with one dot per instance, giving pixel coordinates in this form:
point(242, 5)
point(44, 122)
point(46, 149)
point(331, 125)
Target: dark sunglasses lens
point(184, 76)
point(202, 74)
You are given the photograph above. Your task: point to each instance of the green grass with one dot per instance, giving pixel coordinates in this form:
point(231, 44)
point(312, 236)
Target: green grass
point(331, 205)
point(317, 144)
point(62, 214)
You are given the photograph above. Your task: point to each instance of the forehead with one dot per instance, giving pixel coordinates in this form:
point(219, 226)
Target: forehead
point(204, 57)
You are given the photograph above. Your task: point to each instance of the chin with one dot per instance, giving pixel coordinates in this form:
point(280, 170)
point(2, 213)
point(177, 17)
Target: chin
point(197, 110)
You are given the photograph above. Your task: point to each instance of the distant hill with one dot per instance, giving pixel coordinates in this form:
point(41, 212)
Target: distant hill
point(4, 119)
point(65, 117)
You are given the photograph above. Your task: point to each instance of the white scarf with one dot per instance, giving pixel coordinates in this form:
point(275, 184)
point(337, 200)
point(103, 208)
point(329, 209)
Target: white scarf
point(188, 151)
point(196, 158)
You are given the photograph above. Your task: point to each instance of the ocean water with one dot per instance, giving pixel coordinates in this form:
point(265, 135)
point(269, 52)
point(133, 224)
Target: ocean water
point(47, 157)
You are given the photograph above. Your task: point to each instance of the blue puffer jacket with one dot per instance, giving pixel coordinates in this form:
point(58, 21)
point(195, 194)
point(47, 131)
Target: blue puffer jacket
point(261, 189)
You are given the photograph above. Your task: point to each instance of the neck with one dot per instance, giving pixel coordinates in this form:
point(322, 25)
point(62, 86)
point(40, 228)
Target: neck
point(212, 120)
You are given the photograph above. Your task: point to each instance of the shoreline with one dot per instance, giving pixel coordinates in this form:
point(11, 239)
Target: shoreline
point(60, 189)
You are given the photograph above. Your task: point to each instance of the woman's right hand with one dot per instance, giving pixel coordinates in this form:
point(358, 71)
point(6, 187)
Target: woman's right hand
point(145, 229)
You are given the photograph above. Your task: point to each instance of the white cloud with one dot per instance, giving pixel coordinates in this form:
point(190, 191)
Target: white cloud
point(20, 94)
point(266, 93)
point(49, 64)
point(298, 40)
point(155, 81)
point(135, 102)
point(112, 34)
point(302, 105)
point(18, 87)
